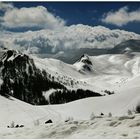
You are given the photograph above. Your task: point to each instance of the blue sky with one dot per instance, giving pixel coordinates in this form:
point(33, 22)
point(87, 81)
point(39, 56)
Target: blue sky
point(68, 13)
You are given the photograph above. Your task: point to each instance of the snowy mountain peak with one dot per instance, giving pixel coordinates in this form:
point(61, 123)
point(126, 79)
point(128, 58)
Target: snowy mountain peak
point(9, 55)
point(85, 59)
point(84, 64)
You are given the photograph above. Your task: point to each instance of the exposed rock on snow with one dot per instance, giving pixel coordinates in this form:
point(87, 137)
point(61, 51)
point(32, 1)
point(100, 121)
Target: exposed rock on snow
point(84, 64)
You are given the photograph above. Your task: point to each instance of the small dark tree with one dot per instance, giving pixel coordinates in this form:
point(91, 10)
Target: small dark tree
point(138, 108)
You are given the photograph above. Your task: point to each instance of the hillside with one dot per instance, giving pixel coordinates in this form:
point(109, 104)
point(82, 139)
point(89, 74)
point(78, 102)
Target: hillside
point(79, 112)
point(95, 95)
point(19, 73)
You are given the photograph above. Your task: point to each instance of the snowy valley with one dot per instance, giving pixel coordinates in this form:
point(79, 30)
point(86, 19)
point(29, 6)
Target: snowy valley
point(93, 96)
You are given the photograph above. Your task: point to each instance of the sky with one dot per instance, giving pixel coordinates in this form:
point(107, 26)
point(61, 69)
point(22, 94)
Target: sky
point(24, 16)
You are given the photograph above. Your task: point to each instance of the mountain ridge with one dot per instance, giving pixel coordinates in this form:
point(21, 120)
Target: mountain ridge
point(20, 73)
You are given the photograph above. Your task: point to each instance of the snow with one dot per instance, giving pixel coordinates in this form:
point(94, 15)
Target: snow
point(114, 127)
point(115, 72)
point(126, 98)
point(46, 94)
point(21, 113)
point(108, 72)
point(120, 125)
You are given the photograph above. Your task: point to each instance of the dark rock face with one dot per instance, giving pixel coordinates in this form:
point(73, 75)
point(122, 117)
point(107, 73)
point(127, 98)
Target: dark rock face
point(87, 64)
point(86, 61)
point(24, 81)
point(49, 121)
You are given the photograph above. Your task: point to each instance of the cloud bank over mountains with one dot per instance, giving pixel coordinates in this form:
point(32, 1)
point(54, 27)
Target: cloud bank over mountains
point(56, 38)
point(59, 42)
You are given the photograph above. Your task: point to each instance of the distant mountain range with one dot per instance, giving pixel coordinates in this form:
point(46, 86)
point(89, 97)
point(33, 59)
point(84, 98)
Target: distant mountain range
point(126, 47)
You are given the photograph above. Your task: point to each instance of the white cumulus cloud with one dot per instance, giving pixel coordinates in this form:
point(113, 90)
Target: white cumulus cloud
point(121, 17)
point(31, 17)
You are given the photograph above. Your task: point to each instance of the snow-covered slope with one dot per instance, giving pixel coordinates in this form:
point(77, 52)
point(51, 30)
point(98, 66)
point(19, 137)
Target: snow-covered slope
point(97, 73)
point(125, 84)
point(123, 126)
point(19, 72)
point(94, 72)
point(109, 128)
point(112, 72)
point(21, 113)
point(118, 104)
point(119, 72)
